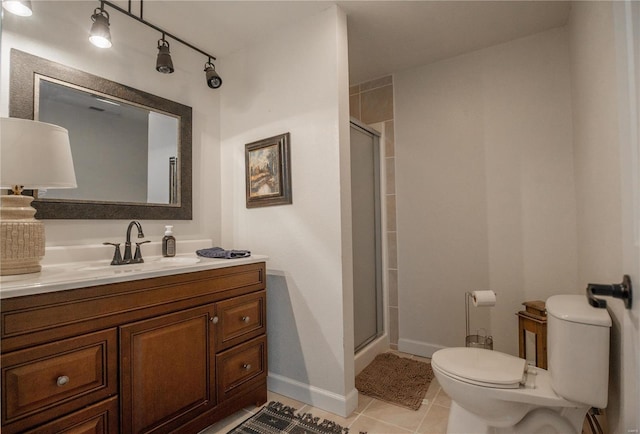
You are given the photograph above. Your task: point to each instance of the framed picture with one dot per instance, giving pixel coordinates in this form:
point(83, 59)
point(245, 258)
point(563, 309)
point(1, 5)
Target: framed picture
point(268, 172)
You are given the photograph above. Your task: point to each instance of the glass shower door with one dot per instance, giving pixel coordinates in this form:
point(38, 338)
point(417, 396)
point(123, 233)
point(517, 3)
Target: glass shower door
point(366, 231)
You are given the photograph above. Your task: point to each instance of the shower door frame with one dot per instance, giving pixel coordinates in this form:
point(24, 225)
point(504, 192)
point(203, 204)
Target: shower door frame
point(378, 223)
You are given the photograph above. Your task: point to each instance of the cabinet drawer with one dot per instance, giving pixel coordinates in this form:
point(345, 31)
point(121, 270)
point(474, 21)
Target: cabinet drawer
point(101, 418)
point(240, 319)
point(51, 379)
point(239, 367)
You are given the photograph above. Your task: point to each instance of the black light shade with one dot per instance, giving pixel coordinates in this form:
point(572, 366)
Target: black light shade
point(213, 79)
point(100, 36)
point(164, 63)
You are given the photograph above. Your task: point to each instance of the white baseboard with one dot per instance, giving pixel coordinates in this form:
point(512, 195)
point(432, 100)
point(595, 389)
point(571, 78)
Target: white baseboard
point(323, 399)
point(424, 349)
point(368, 353)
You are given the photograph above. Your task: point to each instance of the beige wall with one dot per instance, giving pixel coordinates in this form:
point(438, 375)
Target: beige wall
point(517, 170)
point(372, 103)
point(310, 297)
point(485, 192)
point(605, 145)
point(57, 31)
point(596, 142)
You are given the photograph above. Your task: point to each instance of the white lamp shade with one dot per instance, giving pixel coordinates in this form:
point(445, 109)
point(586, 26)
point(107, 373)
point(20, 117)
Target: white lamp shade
point(35, 155)
point(18, 7)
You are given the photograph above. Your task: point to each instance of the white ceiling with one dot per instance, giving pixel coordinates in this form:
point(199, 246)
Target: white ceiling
point(384, 36)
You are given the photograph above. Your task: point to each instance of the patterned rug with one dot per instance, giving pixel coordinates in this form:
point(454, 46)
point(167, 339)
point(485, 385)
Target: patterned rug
point(396, 380)
point(275, 418)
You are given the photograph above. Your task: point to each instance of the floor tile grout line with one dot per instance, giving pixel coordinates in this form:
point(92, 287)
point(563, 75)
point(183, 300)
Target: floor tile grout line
point(388, 423)
point(361, 413)
point(431, 402)
point(384, 421)
point(368, 405)
point(354, 420)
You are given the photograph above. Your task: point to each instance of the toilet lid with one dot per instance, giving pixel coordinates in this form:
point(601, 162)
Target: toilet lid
point(482, 367)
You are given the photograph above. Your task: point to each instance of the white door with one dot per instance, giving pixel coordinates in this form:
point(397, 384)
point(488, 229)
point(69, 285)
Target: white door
point(627, 25)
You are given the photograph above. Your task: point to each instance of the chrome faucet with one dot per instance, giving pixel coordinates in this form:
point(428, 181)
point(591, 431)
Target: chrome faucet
point(128, 259)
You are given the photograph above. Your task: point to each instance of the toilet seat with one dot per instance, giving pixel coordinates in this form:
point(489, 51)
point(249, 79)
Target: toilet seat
point(481, 367)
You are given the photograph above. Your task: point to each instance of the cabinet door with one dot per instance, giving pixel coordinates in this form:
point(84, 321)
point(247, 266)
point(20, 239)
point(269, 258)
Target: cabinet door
point(167, 370)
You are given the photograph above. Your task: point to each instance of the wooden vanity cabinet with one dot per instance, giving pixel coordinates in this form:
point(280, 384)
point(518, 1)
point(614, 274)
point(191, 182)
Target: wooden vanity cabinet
point(164, 354)
point(165, 368)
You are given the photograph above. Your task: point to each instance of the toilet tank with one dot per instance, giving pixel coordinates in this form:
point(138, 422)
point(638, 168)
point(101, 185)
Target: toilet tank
point(578, 349)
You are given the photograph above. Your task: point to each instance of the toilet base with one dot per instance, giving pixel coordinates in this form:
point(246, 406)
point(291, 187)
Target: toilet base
point(539, 421)
point(463, 422)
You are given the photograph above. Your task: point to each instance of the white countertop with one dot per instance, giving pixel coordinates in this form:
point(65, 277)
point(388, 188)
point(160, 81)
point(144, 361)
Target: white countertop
point(81, 274)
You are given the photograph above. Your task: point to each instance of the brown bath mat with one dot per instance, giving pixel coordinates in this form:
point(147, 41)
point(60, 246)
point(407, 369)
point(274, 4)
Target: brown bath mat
point(396, 380)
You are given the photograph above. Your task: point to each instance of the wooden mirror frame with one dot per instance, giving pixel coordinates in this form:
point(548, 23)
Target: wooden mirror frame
point(24, 68)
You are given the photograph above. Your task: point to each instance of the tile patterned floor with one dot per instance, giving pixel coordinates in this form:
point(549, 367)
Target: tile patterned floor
point(372, 415)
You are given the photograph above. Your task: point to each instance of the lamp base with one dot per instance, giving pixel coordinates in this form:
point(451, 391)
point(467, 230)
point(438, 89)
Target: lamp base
point(21, 236)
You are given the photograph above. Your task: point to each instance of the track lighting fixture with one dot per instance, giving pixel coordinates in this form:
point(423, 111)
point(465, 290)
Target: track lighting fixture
point(18, 7)
point(213, 79)
point(164, 63)
point(100, 36)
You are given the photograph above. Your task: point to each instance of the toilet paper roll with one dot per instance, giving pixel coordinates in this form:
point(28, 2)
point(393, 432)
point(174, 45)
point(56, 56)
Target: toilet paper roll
point(483, 298)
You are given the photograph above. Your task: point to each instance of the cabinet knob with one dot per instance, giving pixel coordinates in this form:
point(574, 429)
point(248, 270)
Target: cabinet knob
point(246, 318)
point(62, 380)
point(214, 319)
point(246, 366)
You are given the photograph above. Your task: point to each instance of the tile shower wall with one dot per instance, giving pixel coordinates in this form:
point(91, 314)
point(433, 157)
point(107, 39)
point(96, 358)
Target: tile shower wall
point(372, 103)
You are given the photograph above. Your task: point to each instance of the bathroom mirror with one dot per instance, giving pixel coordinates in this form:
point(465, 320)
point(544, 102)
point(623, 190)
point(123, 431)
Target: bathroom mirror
point(131, 149)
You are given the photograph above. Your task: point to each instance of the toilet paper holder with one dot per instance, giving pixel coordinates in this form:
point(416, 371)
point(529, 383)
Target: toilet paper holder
point(617, 290)
point(477, 340)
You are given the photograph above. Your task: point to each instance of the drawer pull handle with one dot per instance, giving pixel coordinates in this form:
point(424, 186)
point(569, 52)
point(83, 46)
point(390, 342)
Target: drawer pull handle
point(246, 319)
point(214, 319)
point(246, 366)
point(62, 380)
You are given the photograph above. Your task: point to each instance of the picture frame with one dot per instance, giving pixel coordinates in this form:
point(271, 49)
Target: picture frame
point(268, 172)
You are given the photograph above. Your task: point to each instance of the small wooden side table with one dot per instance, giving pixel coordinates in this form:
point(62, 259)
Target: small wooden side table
point(534, 320)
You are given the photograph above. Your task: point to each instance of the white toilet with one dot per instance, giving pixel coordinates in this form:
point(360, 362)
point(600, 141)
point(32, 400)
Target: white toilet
point(493, 392)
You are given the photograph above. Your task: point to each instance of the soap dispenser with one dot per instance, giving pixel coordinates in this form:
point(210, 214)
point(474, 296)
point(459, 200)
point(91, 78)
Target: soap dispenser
point(168, 242)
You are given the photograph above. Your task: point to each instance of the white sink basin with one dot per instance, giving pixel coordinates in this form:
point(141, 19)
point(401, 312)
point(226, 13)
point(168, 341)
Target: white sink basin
point(177, 260)
point(96, 267)
point(149, 264)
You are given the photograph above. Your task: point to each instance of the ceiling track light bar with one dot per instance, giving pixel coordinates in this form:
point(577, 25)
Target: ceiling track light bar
point(153, 26)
